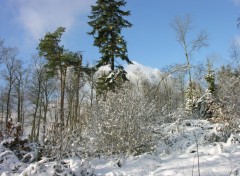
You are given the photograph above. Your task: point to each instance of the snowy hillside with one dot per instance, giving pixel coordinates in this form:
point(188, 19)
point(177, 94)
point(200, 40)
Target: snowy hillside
point(184, 144)
point(185, 148)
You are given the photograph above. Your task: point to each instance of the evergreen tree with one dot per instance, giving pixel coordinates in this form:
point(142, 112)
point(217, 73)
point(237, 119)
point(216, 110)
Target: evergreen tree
point(210, 78)
point(107, 22)
point(58, 60)
point(192, 95)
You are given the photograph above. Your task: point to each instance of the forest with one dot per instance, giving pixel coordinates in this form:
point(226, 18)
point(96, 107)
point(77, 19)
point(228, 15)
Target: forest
point(60, 116)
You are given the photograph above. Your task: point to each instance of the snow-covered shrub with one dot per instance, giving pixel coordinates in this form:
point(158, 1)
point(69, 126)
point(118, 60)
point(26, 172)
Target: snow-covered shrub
point(183, 135)
point(12, 130)
point(179, 113)
point(63, 142)
point(229, 93)
point(67, 167)
point(208, 106)
point(191, 96)
point(8, 160)
point(24, 150)
point(122, 123)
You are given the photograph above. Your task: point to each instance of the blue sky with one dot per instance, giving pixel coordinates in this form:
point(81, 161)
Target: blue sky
point(151, 40)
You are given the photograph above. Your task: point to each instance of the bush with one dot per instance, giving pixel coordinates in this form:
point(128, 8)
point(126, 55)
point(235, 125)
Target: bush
point(122, 123)
point(62, 143)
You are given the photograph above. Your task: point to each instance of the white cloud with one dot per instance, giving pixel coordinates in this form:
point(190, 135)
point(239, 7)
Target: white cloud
point(40, 16)
point(236, 2)
point(236, 40)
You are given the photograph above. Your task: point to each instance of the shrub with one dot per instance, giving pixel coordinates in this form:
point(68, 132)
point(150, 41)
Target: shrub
point(122, 123)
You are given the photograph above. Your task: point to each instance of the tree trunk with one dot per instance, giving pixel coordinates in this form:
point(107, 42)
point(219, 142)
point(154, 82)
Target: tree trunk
point(63, 84)
point(8, 102)
point(39, 124)
point(33, 134)
point(18, 102)
point(77, 86)
point(45, 109)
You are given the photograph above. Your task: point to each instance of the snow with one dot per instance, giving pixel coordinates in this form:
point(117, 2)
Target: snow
point(103, 69)
point(211, 163)
point(134, 71)
point(137, 70)
point(178, 154)
point(182, 146)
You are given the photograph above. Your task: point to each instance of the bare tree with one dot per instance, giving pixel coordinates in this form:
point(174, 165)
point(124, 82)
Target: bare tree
point(73, 87)
point(35, 94)
point(19, 90)
point(1, 49)
point(41, 87)
point(48, 90)
point(11, 65)
point(182, 27)
point(234, 53)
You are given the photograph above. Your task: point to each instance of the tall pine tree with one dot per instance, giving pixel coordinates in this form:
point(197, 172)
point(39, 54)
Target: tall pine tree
point(58, 61)
point(107, 22)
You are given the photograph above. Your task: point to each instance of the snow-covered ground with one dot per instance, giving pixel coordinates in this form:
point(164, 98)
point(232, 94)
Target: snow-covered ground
point(182, 145)
point(221, 164)
point(185, 148)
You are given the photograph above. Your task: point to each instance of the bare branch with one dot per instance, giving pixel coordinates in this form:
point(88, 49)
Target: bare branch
point(182, 26)
point(200, 42)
